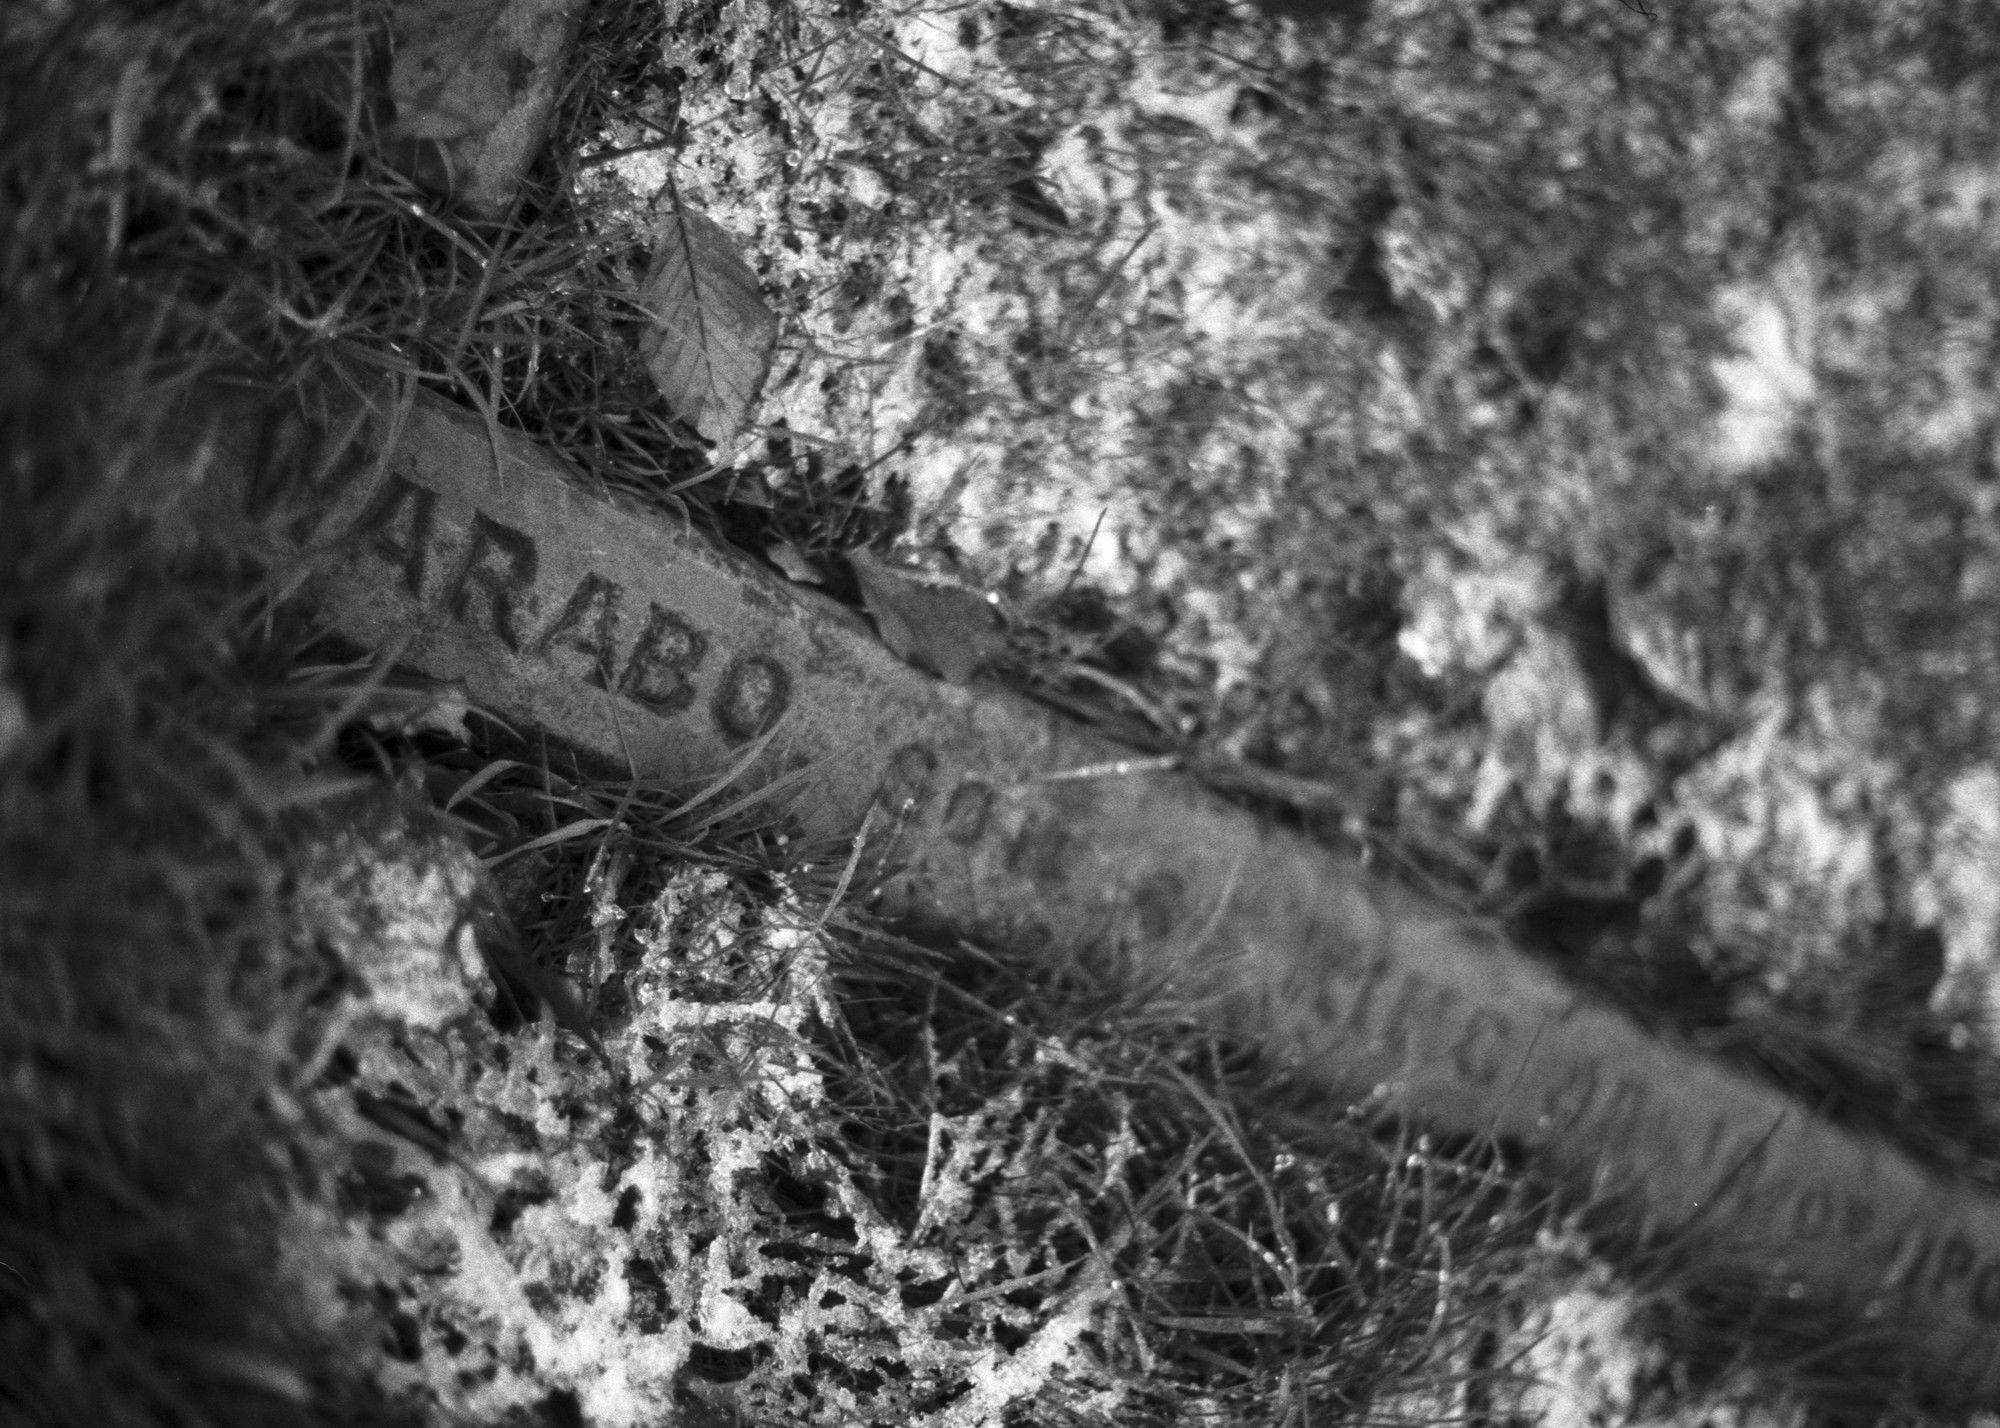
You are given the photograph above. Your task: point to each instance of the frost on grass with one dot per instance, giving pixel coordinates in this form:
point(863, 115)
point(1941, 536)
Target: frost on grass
point(388, 895)
point(1581, 426)
point(497, 1225)
point(1507, 402)
point(899, 1198)
point(1586, 1357)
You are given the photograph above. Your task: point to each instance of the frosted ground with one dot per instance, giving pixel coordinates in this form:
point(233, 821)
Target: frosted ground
point(1559, 442)
point(1343, 362)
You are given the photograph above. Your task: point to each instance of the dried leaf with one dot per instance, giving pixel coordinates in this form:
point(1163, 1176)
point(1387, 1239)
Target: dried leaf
point(797, 565)
point(712, 336)
point(478, 79)
point(448, 78)
point(929, 621)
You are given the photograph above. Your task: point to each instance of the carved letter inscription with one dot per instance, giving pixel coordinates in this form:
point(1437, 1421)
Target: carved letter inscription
point(396, 525)
point(589, 624)
point(499, 563)
point(752, 698)
point(660, 673)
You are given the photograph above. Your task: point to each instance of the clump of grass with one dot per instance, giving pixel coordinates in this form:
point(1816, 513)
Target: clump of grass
point(1274, 1262)
point(153, 162)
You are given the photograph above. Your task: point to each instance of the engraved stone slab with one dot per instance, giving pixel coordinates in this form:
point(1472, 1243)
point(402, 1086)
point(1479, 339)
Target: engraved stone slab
point(478, 557)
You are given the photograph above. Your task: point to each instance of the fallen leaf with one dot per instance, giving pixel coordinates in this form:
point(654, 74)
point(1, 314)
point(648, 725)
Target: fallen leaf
point(474, 82)
point(449, 79)
point(797, 565)
point(711, 339)
point(933, 622)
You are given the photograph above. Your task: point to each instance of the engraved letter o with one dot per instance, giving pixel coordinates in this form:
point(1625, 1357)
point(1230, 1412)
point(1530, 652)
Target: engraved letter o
point(752, 698)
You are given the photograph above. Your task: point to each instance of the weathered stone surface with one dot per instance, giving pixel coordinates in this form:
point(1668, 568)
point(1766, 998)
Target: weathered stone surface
point(482, 559)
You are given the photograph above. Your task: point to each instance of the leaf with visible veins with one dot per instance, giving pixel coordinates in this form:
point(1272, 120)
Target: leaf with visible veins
point(929, 621)
point(711, 336)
